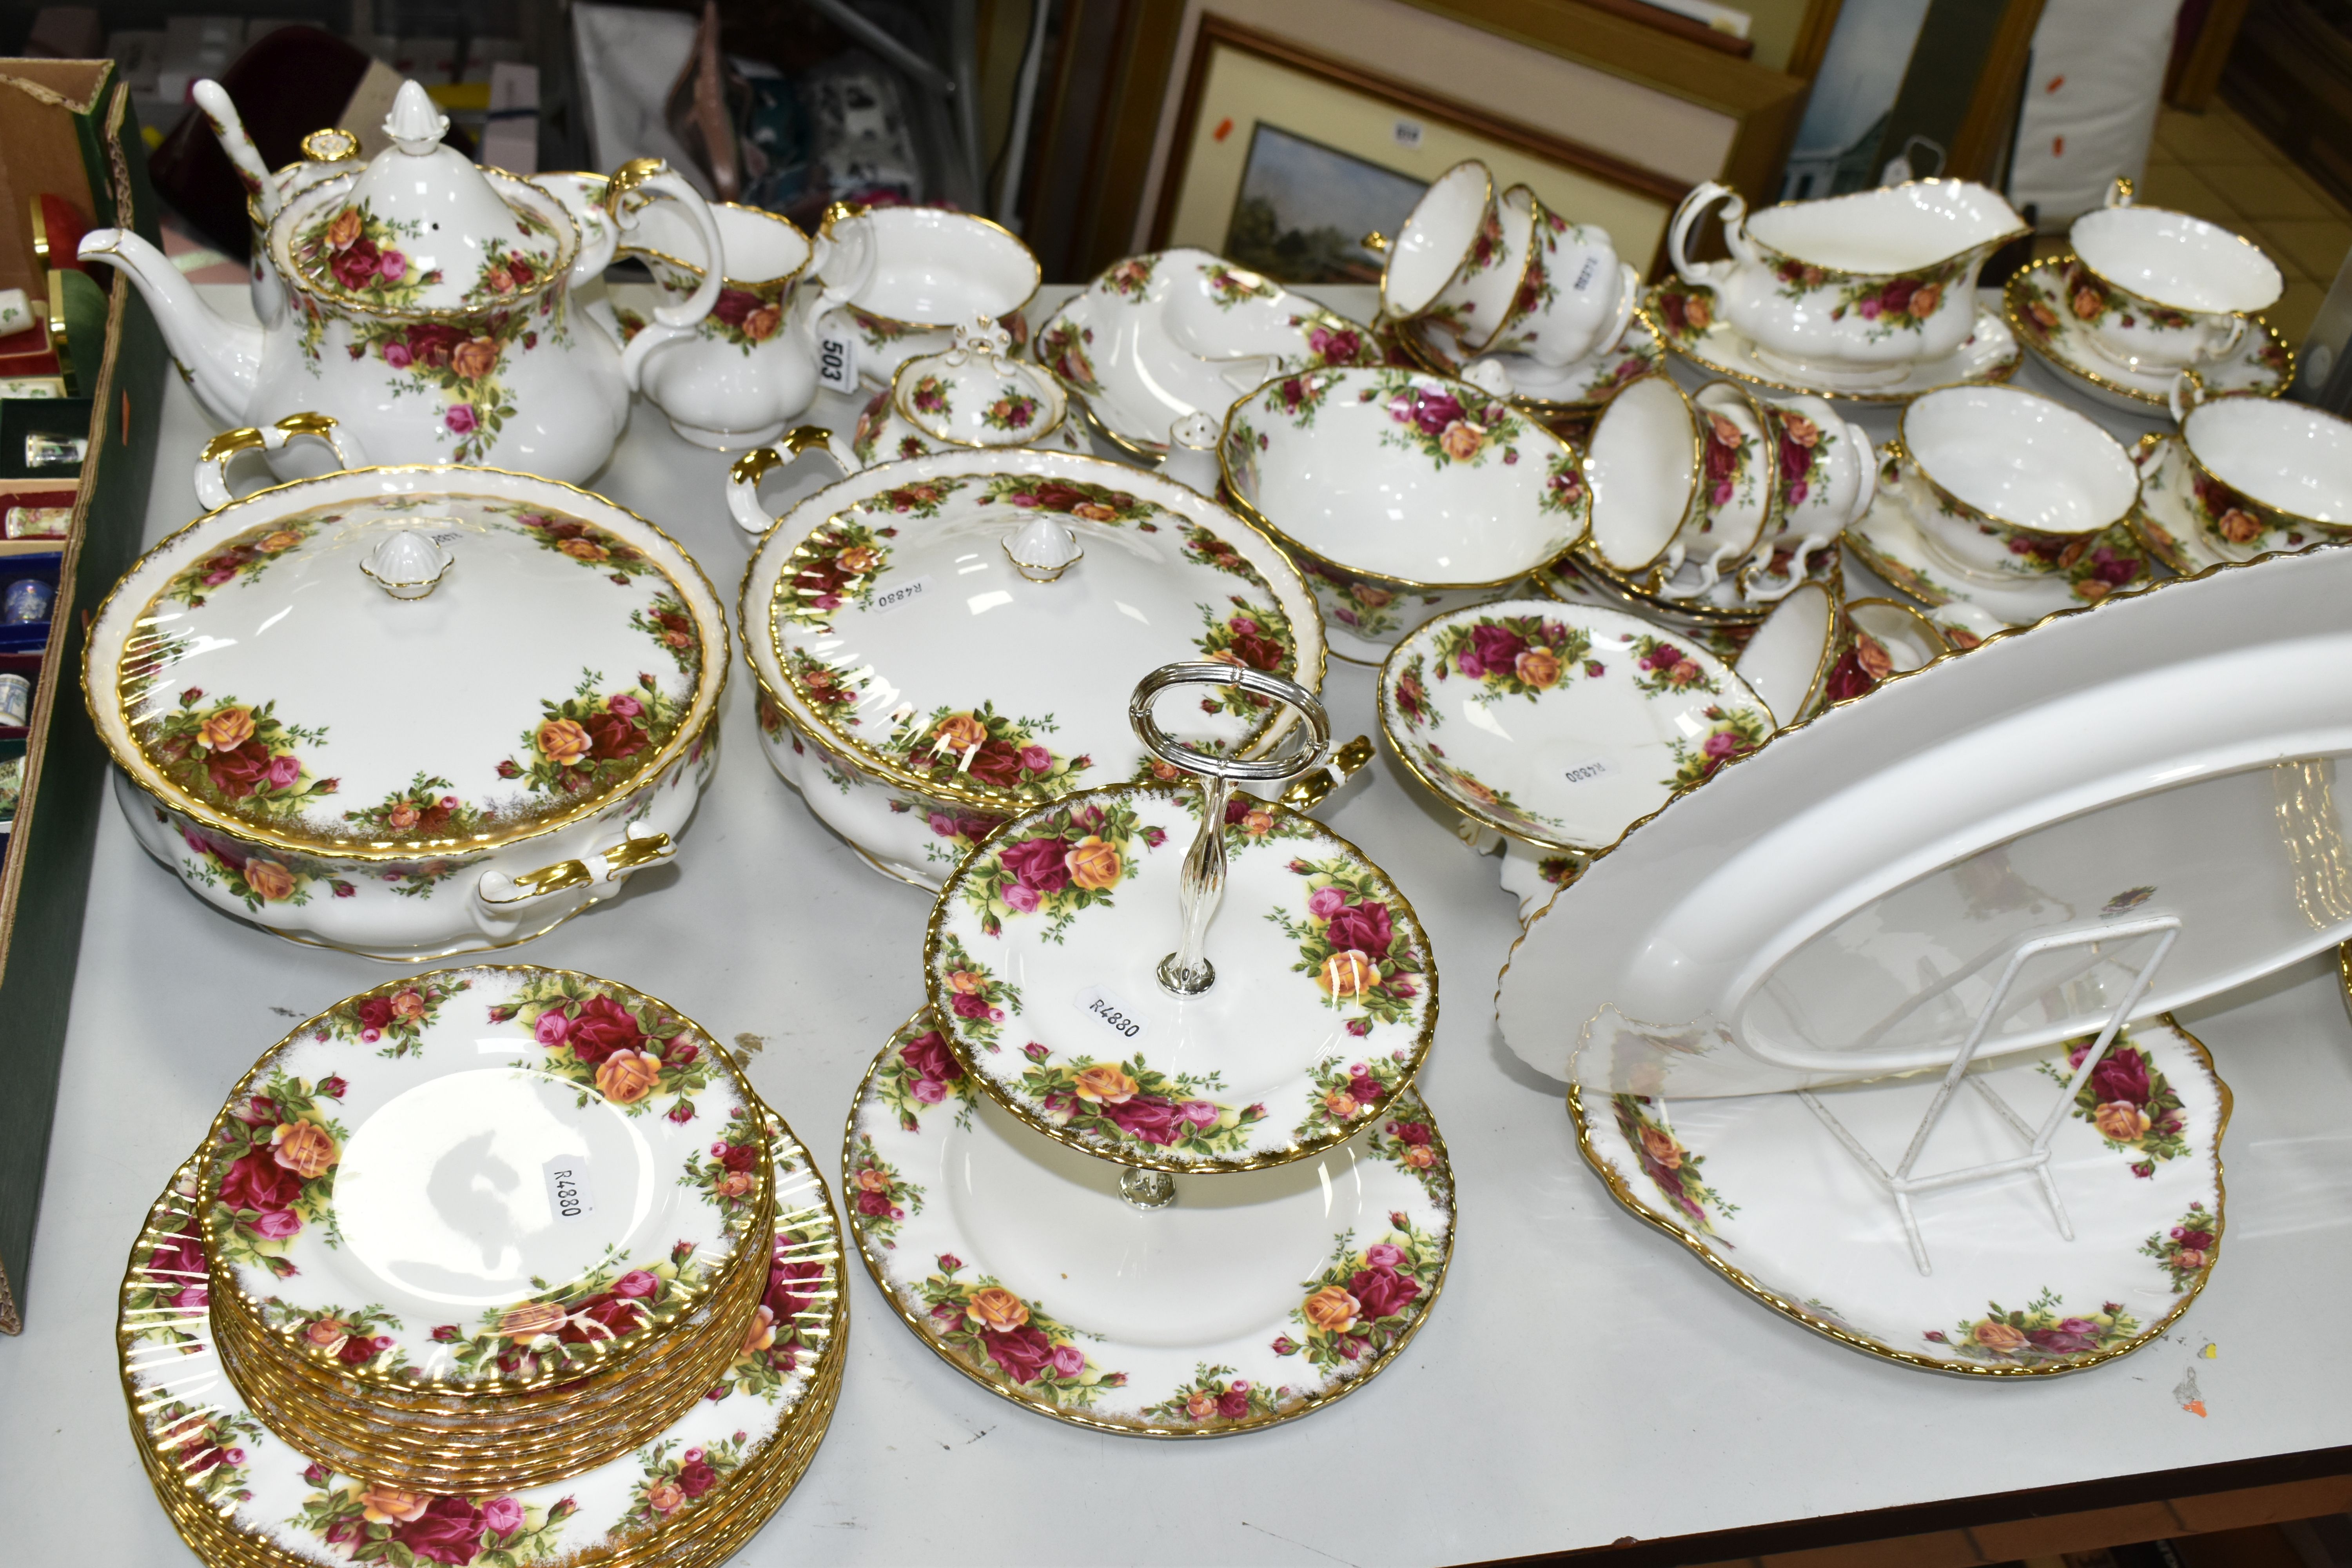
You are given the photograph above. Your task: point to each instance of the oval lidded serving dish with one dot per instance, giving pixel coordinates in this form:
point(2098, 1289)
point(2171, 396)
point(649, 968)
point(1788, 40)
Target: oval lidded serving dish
point(1399, 493)
point(408, 711)
point(947, 641)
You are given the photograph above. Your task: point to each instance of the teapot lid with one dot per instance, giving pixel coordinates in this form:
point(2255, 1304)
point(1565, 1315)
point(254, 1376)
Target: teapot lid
point(974, 636)
point(421, 229)
point(374, 663)
point(976, 394)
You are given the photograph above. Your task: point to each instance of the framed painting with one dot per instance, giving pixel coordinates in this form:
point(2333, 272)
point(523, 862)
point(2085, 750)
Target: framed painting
point(1285, 158)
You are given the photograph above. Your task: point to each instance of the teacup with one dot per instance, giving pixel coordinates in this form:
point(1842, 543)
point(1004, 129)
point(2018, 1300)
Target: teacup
point(1890, 637)
point(1789, 657)
point(2158, 291)
point(733, 380)
point(1853, 289)
point(2263, 475)
point(899, 281)
point(1454, 238)
point(1737, 491)
point(1827, 475)
point(2007, 484)
point(1641, 467)
point(1575, 297)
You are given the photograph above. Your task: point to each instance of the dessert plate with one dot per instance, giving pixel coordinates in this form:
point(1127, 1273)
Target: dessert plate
point(1042, 957)
point(1684, 318)
point(2041, 314)
point(428, 1164)
point(237, 1492)
point(1755, 1187)
point(1254, 1297)
point(1561, 726)
point(1114, 344)
point(1891, 540)
point(1843, 902)
point(1547, 391)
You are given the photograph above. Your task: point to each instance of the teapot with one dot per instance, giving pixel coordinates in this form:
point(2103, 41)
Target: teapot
point(426, 310)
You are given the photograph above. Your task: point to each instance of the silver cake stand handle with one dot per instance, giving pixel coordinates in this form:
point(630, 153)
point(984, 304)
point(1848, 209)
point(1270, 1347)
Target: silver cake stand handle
point(1187, 972)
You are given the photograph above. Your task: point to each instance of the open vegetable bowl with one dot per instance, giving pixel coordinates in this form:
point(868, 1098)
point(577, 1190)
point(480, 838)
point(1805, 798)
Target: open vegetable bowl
point(408, 711)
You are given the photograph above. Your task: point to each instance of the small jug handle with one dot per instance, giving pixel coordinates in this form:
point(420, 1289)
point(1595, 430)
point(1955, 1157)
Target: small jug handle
point(743, 478)
point(212, 463)
point(1707, 274)
point(632, 185)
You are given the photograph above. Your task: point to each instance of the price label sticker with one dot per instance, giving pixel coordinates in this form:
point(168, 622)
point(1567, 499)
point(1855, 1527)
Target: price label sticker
point(885, 601)
point(1109, 1012)
point(1585, 772)
point(568, 1195)
point(836, 362)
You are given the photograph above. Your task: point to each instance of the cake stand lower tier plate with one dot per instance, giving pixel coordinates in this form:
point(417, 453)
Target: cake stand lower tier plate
point(1762, 1192)
point(1251, 1300)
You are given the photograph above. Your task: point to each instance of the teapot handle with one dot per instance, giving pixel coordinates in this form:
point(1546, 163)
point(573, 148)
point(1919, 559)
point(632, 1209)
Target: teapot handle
point(1707, 274)
point(212, 463)
point(743, 478)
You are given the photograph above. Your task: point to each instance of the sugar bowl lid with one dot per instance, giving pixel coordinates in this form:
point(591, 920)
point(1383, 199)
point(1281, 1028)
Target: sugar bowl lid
point(388, 659)
point(421, 228)
point(976, 394)
point(1180, 979)
point(969, 624)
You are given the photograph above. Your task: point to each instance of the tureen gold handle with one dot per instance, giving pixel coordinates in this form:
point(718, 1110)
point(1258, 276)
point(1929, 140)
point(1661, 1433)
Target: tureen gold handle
point(212, 463)
point(609, 865)
point(1200, 888)
point(743, 478)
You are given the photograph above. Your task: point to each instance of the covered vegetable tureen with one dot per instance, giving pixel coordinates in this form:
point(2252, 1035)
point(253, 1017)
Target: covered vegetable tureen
point(947, 641)
point(409, 710)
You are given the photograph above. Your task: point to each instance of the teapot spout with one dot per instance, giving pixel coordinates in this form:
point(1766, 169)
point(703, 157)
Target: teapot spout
point(222, 358)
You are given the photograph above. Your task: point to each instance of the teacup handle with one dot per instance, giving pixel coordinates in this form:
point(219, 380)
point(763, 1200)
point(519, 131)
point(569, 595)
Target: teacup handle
point(743, 478)
point(1705, 274)
point(625, 194)
point(2232, 334)
point(2187, 392)
point(2119, 192)
point(212, 463)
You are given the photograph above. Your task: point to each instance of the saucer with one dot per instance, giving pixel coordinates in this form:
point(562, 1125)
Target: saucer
point(1111, 346)
point(1561, 727)
point(239, 1492)
point(2034, 303)
point(1990, 353)
point(1042, 957)
point(1252, 1299)
point(1717, 617)
point(1759, 1189)
point(1888, 539)
point(1547, 391)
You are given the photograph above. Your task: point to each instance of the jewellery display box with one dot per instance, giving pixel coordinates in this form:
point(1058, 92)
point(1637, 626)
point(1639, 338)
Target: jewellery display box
point(66, 131)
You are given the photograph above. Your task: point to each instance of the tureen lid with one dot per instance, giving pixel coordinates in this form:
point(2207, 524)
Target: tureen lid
point(420, 228)
point(379, 661)
point(976, 394)
point(970, 625)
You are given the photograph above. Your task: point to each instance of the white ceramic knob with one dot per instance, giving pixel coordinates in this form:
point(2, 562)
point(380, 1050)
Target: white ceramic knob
point(407, 563)
point(1043, 549)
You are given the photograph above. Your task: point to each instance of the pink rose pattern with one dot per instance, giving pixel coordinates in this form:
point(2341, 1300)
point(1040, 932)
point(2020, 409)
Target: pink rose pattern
point(2042, 1332)
point(2185, 1251)
point(2128, 1098)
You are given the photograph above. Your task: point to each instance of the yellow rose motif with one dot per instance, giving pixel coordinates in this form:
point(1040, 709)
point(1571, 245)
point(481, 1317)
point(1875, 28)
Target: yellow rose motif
point(1538, 667)
point(1461, 440)
point(225, 729)
point(583, 550)
point(858, 559)
point(2239, 527)
point(326, 1334)
point(1094, 511)
point(1420, 1157)
point(304, 1148)
point(1258, 824)
point(870, 1180)
point(1105, 1083)
point(761, 325)
point(390, 1505)
point(277, 543)
point(1332, 1310)
point(625, 1078)
point(1923, 302)
point(666, 1496)
point(994, 1307)
point(2120, 1119)
point(1872, 655)
point(1200, 1404)
point(348, 226)
point(1663, 1149)
point(1727, 433)
point(1373, 598)
point(407, 1004)
point(964, 981)
point(763, 1331)
point(1999, 1337)
point(1340, 1104)
point(1349, 974)
point(1800, 429)
point(1697, 312)
point(1092, 863)
point(563, 741)
point(270, 881)
point(530, 1319)
point(734, 1183)
point(2088, 304)
point(962, 732)
point(475, 358)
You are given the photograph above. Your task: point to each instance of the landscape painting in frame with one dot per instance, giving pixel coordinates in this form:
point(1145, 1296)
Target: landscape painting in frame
point(1303, 210)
